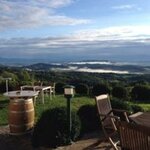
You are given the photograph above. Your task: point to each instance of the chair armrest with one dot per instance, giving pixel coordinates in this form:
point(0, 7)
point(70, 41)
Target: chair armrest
point(119, 110)
point(125, 112)
point(23, 86)
point(28, 87)
point(109, 116)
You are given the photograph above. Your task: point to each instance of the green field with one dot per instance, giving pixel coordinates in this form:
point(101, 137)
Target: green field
point(145, 106)
point(57, 101)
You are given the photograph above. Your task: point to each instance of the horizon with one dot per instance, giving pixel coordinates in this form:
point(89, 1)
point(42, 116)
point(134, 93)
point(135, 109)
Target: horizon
point(77, 30)
point(90, 66)
point(29, 61)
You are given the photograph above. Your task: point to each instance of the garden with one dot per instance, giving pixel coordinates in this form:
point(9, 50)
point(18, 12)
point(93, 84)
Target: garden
point(50, 127)
point(51, 118)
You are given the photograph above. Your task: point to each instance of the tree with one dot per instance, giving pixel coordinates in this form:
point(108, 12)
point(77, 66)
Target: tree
point(141, 93)
point(12, 83)
point(82, 89)
point(7, 74)
point(119, 92)
point(100, 89)
point(24, 77)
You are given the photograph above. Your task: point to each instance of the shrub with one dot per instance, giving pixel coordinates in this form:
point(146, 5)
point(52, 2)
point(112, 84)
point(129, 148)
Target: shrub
point(89, 118)
point(136, 108)
point(2, 87)
point(100, 89)
point(141, 93)
point(82, 89)
point(59, 88)
point(117, 104)
point(52, 129)
point(119, 92)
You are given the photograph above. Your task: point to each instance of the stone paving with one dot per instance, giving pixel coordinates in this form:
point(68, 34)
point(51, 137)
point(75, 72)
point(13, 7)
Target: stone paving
point(93, 141)
point(11, 142)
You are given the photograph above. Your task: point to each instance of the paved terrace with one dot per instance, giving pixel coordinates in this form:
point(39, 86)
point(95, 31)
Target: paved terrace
point(92, 141)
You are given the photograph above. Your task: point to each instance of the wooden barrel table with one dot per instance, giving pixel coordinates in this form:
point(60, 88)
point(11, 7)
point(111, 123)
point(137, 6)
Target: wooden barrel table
point(21, 116)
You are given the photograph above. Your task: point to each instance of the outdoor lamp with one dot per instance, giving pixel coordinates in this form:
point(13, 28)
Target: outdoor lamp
point(69, 93)
point(7, 79)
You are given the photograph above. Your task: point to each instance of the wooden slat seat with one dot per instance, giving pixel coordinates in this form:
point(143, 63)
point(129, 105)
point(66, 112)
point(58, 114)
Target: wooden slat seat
point(134, 136)
point(107, 117)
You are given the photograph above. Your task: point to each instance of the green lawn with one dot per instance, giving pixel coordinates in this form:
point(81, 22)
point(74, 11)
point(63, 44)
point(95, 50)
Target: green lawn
point(58, 101)
point(4, 101)
point(145, 106)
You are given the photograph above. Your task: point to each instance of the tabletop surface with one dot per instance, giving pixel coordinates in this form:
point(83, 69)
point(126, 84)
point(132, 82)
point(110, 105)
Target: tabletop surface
point(142, 118)
point(36, 87)
point(21, 93)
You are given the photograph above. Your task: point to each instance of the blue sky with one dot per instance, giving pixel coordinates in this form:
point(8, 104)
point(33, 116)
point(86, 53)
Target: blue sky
point(75, 29)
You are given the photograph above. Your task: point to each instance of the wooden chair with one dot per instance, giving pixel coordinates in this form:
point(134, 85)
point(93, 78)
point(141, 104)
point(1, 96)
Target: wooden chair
point(53, 88)
point(37, 83)
point(133, 136)
point(107, 118)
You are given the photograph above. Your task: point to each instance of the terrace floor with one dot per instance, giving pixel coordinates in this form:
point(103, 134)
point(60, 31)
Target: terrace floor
point(91, 141)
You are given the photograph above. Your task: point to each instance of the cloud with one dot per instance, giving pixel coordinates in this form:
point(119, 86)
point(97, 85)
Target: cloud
point(91, 70)
point(127, 41)
point(57, 3)
point(114, 33)
point(31, 13)
point(126, 7)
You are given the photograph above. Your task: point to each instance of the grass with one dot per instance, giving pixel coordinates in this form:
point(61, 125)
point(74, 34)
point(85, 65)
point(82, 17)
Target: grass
point(145, 106)
point(3, 110)
point(57, 101)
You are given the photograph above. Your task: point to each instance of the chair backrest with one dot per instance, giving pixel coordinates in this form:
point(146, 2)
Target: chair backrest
point(103, 104)
point(104, 107)
point(133, 136)
point(37, 83)
point(53, 84)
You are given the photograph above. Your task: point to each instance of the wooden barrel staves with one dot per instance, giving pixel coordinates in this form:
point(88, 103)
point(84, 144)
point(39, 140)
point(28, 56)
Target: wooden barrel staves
point(21, 116)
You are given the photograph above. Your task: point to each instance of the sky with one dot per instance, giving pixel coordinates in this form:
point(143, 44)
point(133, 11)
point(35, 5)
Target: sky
point(60, 30)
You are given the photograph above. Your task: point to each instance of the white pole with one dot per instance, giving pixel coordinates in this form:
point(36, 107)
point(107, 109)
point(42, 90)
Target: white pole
point(7, 85)
point(7, 79)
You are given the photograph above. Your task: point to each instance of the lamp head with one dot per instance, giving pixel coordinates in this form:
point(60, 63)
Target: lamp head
point(7, 78)
point(69, 91)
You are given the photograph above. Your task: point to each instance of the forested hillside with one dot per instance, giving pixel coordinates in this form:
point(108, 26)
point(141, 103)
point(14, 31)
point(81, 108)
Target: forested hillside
point(124, 86)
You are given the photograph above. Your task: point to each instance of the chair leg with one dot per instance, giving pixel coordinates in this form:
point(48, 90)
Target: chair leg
point(34, 100)
point(114, 145)
point(54, 93)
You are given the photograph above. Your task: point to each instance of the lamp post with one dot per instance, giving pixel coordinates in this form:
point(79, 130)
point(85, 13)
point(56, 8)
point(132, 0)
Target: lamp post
point(7, 79)
point(69, 93)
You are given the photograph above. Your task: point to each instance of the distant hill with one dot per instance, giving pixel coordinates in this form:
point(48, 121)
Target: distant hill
point(92, 66)
point(95, 66)
point(43, 66)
